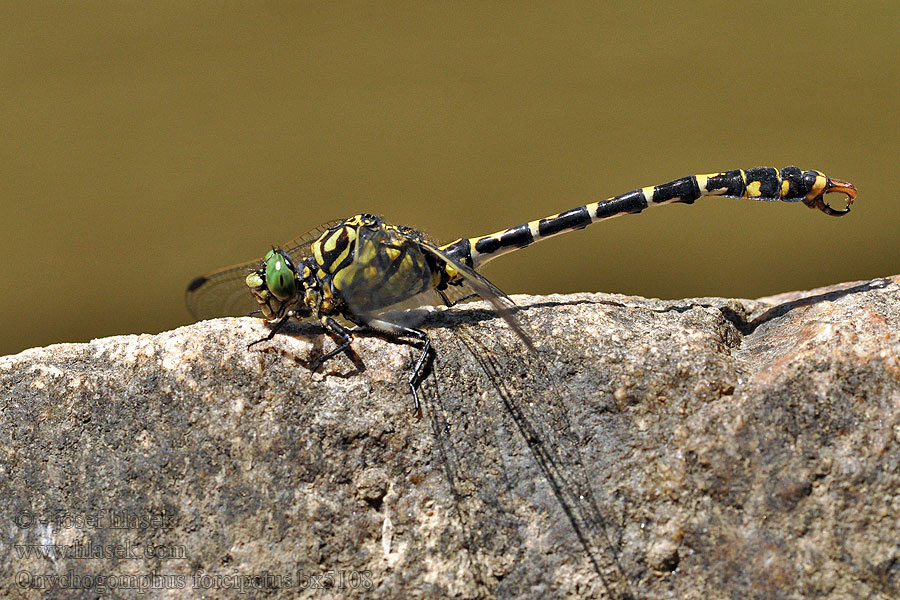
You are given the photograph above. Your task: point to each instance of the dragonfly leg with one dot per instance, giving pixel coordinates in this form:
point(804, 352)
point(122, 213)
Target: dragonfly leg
point(448, 302)
point(418, 373)
point(341, 332)
point(420, 369)
point(278, 325)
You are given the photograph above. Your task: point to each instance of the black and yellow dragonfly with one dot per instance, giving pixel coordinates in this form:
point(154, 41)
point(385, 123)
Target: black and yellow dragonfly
point(370, 273)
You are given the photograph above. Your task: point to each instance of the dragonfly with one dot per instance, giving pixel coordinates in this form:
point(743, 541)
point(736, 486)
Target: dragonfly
point(363, 275)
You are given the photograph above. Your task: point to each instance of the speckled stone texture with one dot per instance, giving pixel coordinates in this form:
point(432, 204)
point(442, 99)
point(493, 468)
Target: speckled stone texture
point(698, 448)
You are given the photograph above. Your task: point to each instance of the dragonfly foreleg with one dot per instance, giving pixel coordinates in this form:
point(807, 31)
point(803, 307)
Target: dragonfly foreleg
point(275, 328)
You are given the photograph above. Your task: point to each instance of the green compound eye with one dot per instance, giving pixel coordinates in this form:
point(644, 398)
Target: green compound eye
point(280, 275)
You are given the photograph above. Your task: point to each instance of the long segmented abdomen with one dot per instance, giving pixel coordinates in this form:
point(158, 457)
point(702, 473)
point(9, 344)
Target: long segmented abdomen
point(762, 183)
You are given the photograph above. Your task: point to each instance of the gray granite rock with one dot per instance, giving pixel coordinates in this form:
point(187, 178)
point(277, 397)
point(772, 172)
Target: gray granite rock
point(700, 448)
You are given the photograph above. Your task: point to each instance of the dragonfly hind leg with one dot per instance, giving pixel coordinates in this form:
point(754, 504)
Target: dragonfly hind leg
point(419, 370)
point(378, 326)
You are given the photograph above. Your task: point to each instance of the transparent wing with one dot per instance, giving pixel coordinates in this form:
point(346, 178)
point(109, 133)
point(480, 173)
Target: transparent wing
point(223, 293)
point(399, 286)
point(456, 294)
point(389, 273)
point(298, 247)
point(480, 285)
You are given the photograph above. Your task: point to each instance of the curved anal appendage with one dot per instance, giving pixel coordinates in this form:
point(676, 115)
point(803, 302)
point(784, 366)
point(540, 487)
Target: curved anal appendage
point(833, 186)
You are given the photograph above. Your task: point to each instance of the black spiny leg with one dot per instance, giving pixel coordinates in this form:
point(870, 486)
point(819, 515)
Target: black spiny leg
point(419, 371)
point(418, 374)
point(341, 332)
point(278, 325)
point(346, 337)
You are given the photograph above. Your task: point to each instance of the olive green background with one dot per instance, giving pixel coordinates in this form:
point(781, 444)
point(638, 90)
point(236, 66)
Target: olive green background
point(142, 144)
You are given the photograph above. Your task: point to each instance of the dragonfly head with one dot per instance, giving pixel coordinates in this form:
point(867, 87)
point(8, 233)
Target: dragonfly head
point(274, 285)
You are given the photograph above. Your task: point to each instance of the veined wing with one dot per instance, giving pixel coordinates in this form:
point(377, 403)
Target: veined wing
point(223, 293)
point(391, 274)
point(388, 273)
point(481, 286)
point(481, 437)
point(298, 247)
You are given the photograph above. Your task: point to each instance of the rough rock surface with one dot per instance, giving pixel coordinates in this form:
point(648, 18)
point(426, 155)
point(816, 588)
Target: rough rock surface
point(700, 448)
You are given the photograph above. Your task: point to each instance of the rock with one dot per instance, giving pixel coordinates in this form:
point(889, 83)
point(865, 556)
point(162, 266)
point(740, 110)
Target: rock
point(653, 449)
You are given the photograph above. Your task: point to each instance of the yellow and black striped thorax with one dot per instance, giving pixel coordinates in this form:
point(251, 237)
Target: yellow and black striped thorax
point(370, 265)
point(335, 249)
